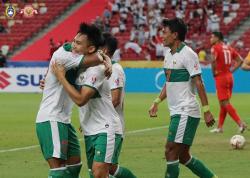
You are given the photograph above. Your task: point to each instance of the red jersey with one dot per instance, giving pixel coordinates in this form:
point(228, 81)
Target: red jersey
point(224, 56)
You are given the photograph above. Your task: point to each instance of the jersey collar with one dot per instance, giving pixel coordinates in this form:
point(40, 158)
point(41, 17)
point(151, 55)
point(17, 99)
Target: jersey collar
point(67, 47)
point(180, 47)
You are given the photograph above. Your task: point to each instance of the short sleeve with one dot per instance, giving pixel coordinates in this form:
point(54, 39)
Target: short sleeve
point(94, 77)
point(191, 63)
point(117, 79)
point(68, 59)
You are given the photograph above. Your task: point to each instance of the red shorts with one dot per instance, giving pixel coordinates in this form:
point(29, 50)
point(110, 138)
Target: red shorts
point(224, 86)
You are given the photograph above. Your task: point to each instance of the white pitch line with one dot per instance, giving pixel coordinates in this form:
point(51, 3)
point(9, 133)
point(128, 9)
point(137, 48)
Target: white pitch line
point(19, 149)
point(145, 130)
point(127, 133)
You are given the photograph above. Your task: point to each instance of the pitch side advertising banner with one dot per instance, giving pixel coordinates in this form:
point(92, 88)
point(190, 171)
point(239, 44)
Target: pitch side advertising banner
point(148, 80)
point(21, 79)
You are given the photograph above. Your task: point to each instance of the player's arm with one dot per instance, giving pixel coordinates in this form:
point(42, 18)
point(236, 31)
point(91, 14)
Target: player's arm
point(237, 59)
point(209, 119)
point(116, 96)
point(70, 60)
point(192, 65)
point(213, 62)
point(154, 107)
point(98, 58)
point(80, 98)
point(238, 63)
point(116, 83)
point(42, 81)
point(246, 65)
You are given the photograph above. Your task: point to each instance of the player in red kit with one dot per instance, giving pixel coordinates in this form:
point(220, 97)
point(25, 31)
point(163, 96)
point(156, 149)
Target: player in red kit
point(225, 60)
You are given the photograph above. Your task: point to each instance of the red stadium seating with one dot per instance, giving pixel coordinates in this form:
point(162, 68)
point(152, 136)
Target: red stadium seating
point(27, 27)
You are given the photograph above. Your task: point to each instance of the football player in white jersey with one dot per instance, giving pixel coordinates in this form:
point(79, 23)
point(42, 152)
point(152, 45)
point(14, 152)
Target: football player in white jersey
point(183, 78)
point(57, 137)
point(100, 123)
point(117, 85)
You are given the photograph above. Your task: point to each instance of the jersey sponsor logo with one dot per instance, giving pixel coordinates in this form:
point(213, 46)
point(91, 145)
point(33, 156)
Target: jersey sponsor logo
point(4, 80)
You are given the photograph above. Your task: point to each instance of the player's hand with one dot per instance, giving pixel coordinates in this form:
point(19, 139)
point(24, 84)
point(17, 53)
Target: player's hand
point(209, 119)
point(153, 110)
point(58, 70)
point(107, 63)
point(42, 84)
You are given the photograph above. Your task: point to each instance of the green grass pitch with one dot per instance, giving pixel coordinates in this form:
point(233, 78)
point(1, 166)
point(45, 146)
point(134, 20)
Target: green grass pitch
point(143, 151)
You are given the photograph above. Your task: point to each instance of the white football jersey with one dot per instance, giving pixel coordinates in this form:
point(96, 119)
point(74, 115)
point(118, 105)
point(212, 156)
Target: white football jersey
point(117, 81)
point(56, 105)
point(179, 68)
point(98, 115)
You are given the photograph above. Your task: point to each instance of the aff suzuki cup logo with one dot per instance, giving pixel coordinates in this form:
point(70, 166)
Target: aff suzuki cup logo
point(4, 80)
point(28, 11)
point(10, 11)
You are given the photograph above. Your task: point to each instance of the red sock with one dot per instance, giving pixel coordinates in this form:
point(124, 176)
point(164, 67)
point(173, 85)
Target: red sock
point(223, 114)
point(233, 113)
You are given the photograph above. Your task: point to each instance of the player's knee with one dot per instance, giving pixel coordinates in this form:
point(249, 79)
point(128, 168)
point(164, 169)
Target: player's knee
point(97, 173)
point(113, 169)
point(55, 163)
point(100, 170)
point(73, 160)
point(184, 158)
point(224, 102)
point(171, 152)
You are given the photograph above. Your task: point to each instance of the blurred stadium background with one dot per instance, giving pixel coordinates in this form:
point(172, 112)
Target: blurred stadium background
point(31, 30)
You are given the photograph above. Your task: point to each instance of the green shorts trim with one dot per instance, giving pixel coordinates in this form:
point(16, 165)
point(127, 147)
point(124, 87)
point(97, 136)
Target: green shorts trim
point(182, 129)
point(103, 147)
point(57, 140)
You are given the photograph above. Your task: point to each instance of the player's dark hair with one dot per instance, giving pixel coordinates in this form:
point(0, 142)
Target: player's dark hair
point(110, 42)
point(93, 34)
point(176, 25)
point(219, 35)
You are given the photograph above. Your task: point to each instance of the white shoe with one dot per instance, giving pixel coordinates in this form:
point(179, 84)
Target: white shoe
point(216, 130)
point(242, 128)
